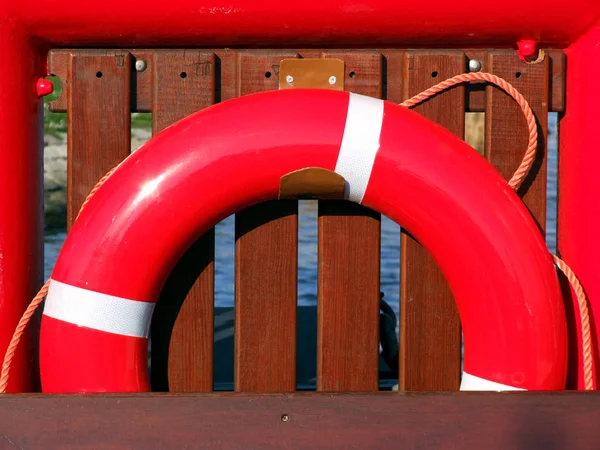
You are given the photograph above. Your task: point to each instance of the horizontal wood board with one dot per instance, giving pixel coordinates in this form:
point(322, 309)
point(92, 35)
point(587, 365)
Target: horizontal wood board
point(491, 421)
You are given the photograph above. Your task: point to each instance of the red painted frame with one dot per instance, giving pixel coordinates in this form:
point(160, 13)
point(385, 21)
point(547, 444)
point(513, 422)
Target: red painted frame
point(28, 28)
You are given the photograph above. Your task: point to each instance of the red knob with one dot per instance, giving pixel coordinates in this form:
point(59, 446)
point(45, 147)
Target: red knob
point(44, 87)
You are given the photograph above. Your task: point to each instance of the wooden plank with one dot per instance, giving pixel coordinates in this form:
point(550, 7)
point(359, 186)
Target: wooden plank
point(228, 60)
point(557, 65)
point(141, 82)
point(348, 297)
point(506, 127)
point(491, 421)
point(266, 297)
point(393, 75)
point(99, 134)
point(555, 60)
point(429, 323)
point(182, 329)
point(266, 265)
point(259, 70)
point(184, 83)
point(349, 259)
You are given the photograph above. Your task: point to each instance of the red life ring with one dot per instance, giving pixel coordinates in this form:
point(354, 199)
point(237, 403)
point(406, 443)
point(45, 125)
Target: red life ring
point(232, 155)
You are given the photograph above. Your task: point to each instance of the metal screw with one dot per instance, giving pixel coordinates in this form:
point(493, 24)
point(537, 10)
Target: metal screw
point(140, 65)
point(474, 65)
point(289, 79)
point(332, 80)
point(285, 418)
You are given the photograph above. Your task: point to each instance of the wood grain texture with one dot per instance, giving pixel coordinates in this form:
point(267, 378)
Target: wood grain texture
point(266, 267)
point(348, 297)
point(349, 260)
point(430, 336)
point(227, 62)
point(184, 83)
point(491, 421)
point(258, 71)
point(99, 131)
point(182, 326)
point(506, 127)
point(363, 72)
point(393, 75)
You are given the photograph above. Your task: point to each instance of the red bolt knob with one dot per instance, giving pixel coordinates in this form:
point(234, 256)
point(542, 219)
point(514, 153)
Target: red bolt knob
point(527, 49)
point(44, 87)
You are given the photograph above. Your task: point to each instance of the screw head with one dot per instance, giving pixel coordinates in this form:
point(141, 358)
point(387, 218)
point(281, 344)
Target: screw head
point(332, 80)
point(289, 79)
point(285, 418)
point(474, 65)
point(140, 65)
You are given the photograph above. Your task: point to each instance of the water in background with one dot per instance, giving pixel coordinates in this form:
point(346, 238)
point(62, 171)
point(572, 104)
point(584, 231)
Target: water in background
point(307, 246)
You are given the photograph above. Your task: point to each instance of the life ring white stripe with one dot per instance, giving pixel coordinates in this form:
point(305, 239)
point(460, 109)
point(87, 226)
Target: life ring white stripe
point(360, 144)
point(473, 383)
point(98, 311)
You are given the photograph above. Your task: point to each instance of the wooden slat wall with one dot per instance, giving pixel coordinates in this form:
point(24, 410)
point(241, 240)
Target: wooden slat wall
point(266, 235)
point(506, 128)
point(348, 280)
point(429, 324)
point(98, 122)
point(182, 326)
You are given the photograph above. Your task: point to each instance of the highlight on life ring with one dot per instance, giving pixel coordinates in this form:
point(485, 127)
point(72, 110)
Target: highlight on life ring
point(227, 157)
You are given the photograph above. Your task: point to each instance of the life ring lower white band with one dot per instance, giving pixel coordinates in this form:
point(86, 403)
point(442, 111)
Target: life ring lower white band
point(473, 383)
point(98, 311)
point(360, 144)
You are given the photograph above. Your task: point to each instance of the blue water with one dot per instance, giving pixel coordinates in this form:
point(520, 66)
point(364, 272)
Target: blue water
point(307, 248)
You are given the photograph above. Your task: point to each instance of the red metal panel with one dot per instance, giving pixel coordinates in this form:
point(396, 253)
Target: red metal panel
point(579, 186)
point(21, 221)
point(435, 22)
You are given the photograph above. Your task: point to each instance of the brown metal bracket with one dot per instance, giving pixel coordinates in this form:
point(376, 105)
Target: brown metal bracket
point(312, 183)
point(315, 73)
